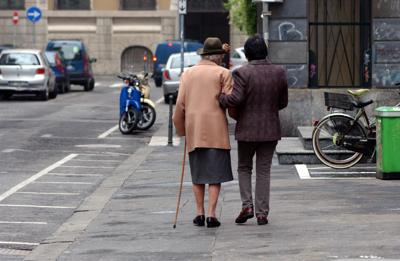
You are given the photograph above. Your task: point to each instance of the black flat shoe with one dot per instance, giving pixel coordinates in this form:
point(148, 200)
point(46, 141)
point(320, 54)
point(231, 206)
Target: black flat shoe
point(199, 220)
point(212, 222)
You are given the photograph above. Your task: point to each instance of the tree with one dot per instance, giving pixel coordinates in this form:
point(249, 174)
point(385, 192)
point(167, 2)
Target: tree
point(243, 14)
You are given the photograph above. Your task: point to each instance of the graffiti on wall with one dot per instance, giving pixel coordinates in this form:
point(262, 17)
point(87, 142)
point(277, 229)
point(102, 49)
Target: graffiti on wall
point(297, 75)
point(284, 30)
point(387, 30)
point(386, 75)
point(388, 52)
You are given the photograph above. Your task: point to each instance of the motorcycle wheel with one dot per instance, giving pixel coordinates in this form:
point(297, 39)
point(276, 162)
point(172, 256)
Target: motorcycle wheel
point(148, 117)
point(128, 121)
point(328, 137)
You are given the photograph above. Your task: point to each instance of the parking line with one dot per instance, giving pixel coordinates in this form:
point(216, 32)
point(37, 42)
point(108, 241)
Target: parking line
point(35, 206)
point(23, 223)
point(88, 167)
point(18, 243)
point(48, 193)
point(114, 161)
point(61, 182)
point(108, 132)
point(160, 100)
point(302, 171)
point(36, 176)
point(344, 172)
point(74, 174)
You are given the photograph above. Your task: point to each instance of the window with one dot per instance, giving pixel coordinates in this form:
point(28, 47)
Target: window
point(19, 59)
point(138, 4)
point(73, 4)
point(189, 61)
point(12, 4)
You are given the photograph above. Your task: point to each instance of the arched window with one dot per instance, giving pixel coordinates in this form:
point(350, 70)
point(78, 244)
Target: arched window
point(12, 4)
point(73, 4)
point(138, 4)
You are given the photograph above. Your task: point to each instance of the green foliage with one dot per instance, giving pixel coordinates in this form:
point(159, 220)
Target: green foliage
point(243, 14)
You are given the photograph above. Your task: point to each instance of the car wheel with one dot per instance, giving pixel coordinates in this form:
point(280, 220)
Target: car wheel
point(89, 86)
point(158, 82)
point(44, 95)
point(54, 93)
point(6, 95)
point(61, 88)
point(67, 86)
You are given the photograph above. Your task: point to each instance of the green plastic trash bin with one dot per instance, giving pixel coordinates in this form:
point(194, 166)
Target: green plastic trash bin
point(388, 142)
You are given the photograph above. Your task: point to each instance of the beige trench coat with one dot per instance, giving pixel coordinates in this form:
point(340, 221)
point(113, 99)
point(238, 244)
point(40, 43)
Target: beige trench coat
point(198, 115)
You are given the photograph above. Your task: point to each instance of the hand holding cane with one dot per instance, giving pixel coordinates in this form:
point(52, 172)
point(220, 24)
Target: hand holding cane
point(180, 186)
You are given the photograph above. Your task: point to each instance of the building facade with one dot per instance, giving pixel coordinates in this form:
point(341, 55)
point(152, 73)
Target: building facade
point(119, 33)
point(335, 45)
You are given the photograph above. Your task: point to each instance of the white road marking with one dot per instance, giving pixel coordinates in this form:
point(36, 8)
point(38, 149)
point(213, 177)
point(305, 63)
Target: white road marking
point(163, 141)
point(18, 243)
point(344, 172)
point(47, 136)
point(317, 168)
point(160, 100)
point(48, 193)
point(87, 167)
point(74, 174)
point(96, 146)
point(100, 160)
point(36, 176)
point(23, 223)
point(303, 171)
point(108, 132)
point(63, 182)
point(35, 206)
point(12, 150)
point(116, 85)
point(96, 84)
point(164, 212)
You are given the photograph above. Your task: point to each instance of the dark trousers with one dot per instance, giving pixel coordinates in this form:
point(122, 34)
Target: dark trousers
point(264, 152)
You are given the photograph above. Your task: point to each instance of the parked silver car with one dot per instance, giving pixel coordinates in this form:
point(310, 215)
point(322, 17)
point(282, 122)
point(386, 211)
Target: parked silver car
point(172, 72)
point(26, 71)
point(238, 58)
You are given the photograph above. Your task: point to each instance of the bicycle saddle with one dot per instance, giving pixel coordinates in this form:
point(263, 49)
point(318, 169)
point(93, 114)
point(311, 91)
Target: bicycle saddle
point(358, 93)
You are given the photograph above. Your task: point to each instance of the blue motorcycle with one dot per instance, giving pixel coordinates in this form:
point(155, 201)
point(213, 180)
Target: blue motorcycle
point(136, 110)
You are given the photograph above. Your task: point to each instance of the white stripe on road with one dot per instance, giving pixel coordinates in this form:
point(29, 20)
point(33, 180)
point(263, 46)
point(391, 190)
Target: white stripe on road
point(23, 223)
point(98, 146)
point(48, 193)
point(18, 243)
point(77, 175)
point(163, 141)
point(62, 182)
point(160, 100)
point(34, 206)
point(303, 171)
point(108, 132)
point(36, 176)
point(113, 161)
point(116, 85)
point(344, 172)
point(87, 167)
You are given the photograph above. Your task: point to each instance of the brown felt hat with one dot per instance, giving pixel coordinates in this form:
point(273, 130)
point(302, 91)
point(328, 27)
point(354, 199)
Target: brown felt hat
point(212, 45)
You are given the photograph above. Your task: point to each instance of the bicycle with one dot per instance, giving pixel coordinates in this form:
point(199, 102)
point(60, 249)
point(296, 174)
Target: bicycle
point(341, 140)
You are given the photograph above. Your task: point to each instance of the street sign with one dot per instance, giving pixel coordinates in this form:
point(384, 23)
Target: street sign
point(15, 18)
point(182, 7)
point(33, 14)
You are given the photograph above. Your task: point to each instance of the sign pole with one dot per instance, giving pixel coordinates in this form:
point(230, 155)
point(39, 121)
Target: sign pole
point(33, 14)
point(15, 22)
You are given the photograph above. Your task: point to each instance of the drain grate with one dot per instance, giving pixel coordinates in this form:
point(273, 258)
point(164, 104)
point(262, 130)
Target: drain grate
point(14, 252)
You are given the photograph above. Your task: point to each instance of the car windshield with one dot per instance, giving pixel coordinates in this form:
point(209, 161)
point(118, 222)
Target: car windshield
point(190, 60)
point(19, 59)
point(69, 52)
point(51, 58)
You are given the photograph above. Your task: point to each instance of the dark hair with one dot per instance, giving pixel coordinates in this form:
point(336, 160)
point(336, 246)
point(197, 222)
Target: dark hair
point(255, 48)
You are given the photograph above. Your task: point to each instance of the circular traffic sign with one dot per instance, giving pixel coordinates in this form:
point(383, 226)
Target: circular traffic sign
point(15, 18)
point(33, 14)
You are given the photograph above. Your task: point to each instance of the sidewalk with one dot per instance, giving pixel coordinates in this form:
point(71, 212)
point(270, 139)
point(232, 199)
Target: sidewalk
point(349, 219)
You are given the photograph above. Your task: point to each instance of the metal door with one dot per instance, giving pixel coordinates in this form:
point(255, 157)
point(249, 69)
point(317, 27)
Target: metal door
point(137, 59)
point(340, 43)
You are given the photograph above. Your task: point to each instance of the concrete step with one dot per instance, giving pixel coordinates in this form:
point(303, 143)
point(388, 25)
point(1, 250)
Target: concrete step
point(305, 136)
point(290, 150)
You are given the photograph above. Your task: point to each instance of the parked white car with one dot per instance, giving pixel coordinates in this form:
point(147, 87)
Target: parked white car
point(26, 71)
point(238, 58)
point(172, 72)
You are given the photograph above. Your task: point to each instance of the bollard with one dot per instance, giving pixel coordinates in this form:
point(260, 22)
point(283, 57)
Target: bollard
point(170, 129)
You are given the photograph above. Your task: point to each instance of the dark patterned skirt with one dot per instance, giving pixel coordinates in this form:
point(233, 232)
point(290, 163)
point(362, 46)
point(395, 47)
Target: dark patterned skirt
point(210, 166)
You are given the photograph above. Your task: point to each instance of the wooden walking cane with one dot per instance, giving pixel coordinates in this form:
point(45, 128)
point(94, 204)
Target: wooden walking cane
point(180, 186)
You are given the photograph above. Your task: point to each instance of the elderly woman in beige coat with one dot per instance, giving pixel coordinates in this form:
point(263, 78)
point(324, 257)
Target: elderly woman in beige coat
point(199, 117)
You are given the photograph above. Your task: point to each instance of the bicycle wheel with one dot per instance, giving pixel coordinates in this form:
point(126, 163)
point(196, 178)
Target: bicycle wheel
point(329, 138)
